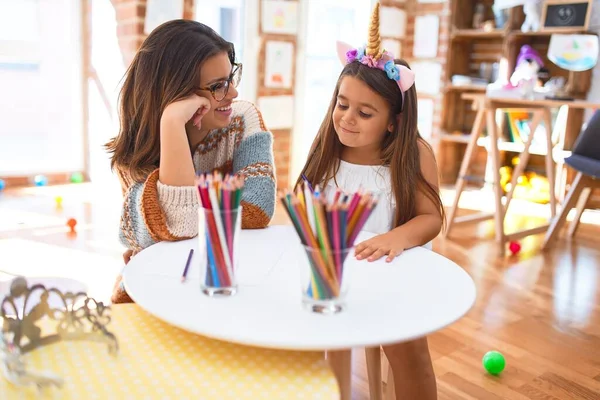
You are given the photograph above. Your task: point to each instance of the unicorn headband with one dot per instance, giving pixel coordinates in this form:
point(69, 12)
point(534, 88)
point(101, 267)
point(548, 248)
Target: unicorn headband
point(374, 56)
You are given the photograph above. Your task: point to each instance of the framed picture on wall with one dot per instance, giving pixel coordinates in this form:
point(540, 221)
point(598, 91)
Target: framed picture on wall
point(279, 17)
point(161, 11)
point(279, 61)
point(566, 15)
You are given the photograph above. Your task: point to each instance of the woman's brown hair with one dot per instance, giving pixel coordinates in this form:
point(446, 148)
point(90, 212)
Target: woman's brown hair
point(399, 149)
point(165, 69)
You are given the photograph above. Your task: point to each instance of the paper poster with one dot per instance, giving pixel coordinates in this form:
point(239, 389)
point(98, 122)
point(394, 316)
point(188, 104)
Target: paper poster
point(279, 59)
point(277, 111)
point(392, 22)
point(573, 52)
point(425, 118)
point(427, 76)
point(160, 11)
point(280, 17)
point(426, 36)
point(393, 46)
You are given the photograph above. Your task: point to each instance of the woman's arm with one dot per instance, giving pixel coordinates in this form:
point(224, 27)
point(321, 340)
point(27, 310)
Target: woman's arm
point(176, 165)
point(164, 207)
point(153, 212)
point(253, 159)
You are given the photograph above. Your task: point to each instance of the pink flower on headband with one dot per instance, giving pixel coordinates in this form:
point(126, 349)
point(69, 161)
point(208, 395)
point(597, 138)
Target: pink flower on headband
point(404, 77)
point(351, 55)
point(369, 61)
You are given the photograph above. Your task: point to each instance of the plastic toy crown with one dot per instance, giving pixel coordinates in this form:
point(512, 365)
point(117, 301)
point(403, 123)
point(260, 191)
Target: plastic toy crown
point(80, 318)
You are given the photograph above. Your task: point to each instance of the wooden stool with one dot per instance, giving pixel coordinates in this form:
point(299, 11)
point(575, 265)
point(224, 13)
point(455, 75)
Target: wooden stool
point(487, 112)
point(376, 363)
point(340, 362)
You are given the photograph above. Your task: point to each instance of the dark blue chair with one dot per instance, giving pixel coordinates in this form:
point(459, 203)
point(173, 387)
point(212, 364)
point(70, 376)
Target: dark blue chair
point(585, 159)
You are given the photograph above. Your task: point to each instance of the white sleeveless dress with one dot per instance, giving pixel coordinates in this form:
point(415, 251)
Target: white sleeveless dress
point(374, 179)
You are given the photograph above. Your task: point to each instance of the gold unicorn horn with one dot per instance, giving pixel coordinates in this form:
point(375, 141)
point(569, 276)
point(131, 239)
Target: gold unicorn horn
point(374, 43)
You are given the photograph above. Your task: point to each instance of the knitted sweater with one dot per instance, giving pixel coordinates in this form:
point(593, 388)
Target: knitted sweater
point(154, 212)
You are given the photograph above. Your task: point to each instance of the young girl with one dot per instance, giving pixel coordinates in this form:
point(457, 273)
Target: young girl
point(178, 117)
point(369, 140)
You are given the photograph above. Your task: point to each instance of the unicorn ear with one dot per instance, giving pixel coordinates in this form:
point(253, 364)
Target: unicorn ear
point(342, 49)
point(407, 78)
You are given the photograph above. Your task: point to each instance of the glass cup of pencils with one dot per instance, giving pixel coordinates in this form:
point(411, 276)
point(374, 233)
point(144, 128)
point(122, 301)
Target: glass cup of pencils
point(219, 226)
point(327, 229)
point(324, 279)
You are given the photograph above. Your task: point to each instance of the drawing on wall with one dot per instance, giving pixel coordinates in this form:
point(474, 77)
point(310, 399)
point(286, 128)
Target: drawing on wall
point(279, 17)
point(392, 22)
point(279, 58)
point(277, 111)
point(161, 11)
point(426, 36)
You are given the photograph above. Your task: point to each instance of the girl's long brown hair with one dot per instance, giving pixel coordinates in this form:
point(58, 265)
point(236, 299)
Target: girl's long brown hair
point(165, 69)
point(399, 149)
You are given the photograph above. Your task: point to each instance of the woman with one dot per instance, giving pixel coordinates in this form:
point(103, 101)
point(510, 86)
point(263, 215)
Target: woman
point(179, 118)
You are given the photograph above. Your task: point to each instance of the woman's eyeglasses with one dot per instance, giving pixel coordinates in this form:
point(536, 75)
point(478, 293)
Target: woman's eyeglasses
point(220, 89)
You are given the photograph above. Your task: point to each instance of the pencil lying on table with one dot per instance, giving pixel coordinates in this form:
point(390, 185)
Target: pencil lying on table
point(187, 266)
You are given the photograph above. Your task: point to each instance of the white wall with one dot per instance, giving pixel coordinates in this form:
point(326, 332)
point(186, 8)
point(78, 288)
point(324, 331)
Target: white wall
point(246, 39)
point(107, 62)
point(251, 43)
point(322, 23)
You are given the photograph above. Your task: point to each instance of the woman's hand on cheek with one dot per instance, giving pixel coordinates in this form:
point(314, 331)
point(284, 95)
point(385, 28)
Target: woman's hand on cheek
point(389, 244)
point(192, 108)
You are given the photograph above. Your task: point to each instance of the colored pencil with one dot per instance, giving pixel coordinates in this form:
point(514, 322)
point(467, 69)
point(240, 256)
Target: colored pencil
point(305, 179)
point(187, 266)
point(220, 198)
point(328, 230)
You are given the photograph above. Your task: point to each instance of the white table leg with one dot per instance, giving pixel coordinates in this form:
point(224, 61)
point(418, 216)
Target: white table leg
point(341, 364)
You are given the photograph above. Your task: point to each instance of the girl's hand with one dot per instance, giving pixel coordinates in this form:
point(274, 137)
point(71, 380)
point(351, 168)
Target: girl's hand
point(389, 244)
point(192, 108)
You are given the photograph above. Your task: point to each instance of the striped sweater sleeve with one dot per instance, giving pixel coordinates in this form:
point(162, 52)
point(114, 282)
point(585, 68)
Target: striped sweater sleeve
point(253, 158)
point(154, 212)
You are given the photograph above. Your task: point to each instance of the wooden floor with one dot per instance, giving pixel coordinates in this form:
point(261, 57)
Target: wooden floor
point(540, 309)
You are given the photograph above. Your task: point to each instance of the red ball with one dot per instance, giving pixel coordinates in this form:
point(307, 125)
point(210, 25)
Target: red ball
point(71, 223)
point(514, 247)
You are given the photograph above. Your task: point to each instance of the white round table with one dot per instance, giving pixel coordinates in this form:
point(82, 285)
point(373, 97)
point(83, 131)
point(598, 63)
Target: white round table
point(418, 293)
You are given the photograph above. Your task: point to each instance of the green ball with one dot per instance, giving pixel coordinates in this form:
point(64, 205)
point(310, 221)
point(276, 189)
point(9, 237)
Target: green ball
point(76, 177)
point(493, 362)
